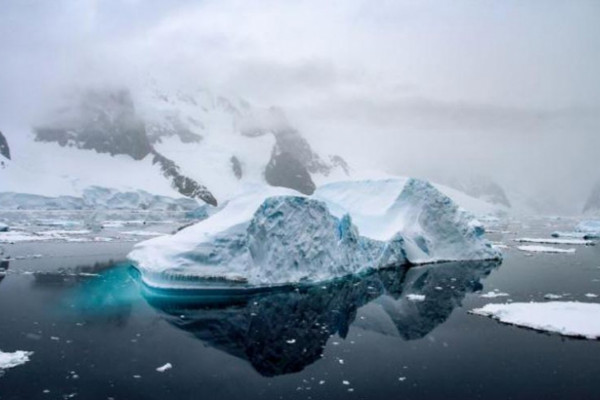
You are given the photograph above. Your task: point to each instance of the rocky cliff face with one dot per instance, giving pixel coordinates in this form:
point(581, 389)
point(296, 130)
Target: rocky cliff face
point(292, 159)
point(104, 121)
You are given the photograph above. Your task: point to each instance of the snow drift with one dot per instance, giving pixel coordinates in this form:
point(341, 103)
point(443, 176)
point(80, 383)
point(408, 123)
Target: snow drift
point(271, 236)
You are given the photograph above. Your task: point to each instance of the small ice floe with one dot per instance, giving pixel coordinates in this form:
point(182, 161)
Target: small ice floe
point(493, 295)
point(499, 245)
point(143, 233)
point(346, 383)
point(573, 235)
point(14, 359)
point(567, 318)
point(3, 227)
point(544, 249)
point(165, 367)
point(291, 341)
point(415, 297)
point(583, 242)
point(552, 296)
point(591, 295)
point(402, 378)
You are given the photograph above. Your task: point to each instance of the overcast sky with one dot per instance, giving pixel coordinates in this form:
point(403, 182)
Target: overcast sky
point(508, 88)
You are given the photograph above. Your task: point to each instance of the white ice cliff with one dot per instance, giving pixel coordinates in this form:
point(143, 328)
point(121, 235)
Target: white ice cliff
point(271, 236)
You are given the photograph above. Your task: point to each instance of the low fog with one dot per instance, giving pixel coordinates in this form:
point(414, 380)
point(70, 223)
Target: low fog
point(508, 89)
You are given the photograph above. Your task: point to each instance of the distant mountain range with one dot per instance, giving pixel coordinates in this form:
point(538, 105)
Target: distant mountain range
point(194, 144)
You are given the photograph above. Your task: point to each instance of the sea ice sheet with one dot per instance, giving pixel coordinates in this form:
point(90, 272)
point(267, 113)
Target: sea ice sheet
point(568, 318)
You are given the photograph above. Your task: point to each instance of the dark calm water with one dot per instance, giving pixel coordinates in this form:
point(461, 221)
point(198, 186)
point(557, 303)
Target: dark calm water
point(96, 334)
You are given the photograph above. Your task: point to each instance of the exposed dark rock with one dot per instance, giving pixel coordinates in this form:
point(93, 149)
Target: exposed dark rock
point(172, 126)
point(184, 185)
point(289, 140)
point(4, 149)
point(236, 166)
point(104, 121)
point(338, 161)
point(286, 171)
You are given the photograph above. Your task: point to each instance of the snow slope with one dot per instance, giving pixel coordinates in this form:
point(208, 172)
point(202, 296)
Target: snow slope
point(565, 318)
point(269, 236)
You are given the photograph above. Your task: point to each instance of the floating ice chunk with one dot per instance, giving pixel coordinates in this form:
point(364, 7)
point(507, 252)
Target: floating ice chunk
point(14, 359)
point(493, 295)
point(552, 296)
point(591, 295)
point(165, 367)
point(3, 227)
point(415, 297)
point(544, 249)
point(19, 236)
point(566, 318)
point(556, 241)
point(575, 235)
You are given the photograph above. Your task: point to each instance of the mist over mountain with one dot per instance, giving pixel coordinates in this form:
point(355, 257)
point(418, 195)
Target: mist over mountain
point(509, 92)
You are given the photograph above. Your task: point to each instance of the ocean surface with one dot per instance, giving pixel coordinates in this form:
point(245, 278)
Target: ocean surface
point(401, 333)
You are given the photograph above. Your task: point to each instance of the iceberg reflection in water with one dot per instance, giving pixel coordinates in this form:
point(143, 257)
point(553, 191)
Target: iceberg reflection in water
point(284, 330)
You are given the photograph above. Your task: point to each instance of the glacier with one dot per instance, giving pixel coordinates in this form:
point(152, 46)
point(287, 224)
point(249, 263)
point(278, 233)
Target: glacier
point(269, 236)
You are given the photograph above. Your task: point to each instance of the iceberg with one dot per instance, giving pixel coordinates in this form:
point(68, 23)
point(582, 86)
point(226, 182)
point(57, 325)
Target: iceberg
point(586, 230)
point(275, 236)
point(591, 228)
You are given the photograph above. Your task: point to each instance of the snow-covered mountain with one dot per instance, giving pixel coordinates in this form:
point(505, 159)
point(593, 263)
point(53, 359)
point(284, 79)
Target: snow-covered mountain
point(192, 143)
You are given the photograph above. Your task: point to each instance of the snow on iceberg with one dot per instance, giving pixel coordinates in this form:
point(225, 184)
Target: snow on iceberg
point(270, 236)
point(567, 318)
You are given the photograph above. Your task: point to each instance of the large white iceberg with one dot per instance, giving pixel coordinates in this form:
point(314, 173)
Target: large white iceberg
point(270, 236)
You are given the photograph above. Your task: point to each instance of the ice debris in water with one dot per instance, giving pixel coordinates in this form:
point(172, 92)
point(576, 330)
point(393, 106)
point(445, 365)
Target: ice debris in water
point(556, 241)
point(544, 249)
point(492, 295)
point(165, 367)
point(269, 236)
